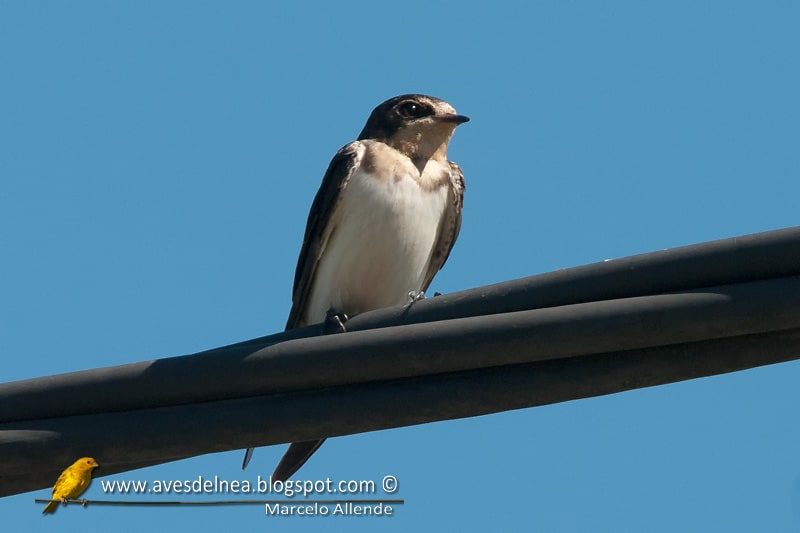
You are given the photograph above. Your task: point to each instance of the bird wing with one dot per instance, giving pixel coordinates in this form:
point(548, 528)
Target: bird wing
point(72, 482)
point(65, 484)
point(449, 226)
point(318, 228)
point(318, 232)
point(58, 492)
point(69, 484)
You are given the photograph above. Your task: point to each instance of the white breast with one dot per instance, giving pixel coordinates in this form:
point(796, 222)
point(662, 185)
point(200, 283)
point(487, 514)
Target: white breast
point(385, 230)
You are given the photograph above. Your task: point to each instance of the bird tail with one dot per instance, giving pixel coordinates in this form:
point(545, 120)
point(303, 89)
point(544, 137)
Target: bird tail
point(295, 457)
point(50, 508)
point(248, 454)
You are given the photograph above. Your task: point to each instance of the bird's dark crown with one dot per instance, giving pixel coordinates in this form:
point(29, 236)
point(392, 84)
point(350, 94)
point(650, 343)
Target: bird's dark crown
point(393, 114)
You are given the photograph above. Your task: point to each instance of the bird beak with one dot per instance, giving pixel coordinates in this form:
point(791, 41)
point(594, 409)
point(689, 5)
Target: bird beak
point(457, 119)
point(95, 465)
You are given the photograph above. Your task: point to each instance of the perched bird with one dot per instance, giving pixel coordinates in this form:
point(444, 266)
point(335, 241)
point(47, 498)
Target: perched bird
point(72, 482)
point(382, 224)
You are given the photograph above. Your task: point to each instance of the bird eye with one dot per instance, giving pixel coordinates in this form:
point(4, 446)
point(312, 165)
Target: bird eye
point(412, 110)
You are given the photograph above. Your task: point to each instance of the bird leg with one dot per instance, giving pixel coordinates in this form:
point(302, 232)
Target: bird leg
point(416, 296)
point(334, 322)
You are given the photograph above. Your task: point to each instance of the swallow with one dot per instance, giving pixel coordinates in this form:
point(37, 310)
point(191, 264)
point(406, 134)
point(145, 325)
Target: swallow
point(381, 226)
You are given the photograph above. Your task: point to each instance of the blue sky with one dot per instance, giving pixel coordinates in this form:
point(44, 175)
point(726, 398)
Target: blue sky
point(159, 158)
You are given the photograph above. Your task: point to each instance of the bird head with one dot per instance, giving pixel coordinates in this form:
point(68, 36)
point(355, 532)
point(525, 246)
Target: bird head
point(417, 125)
point(86, 463)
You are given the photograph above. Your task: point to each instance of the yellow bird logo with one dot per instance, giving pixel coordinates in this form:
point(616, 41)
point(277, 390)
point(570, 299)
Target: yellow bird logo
point(72, 482)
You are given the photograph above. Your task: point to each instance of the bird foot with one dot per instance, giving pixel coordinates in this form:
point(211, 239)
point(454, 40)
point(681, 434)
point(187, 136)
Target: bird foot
point(84, 501)
point(416, 296)
point(64, 502)
point(334, 322)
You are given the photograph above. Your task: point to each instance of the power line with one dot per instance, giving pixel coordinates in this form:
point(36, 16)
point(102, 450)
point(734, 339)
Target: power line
point(598, 329)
